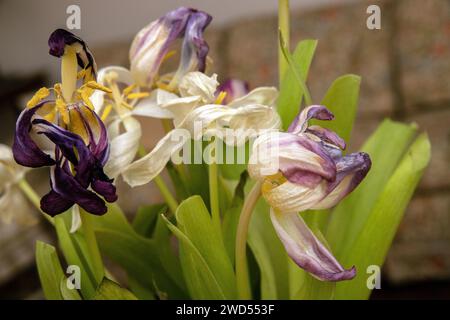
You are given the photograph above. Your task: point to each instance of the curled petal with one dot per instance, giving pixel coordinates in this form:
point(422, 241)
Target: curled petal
point(195, 49)
point(152, 43)
point(306, 250)
point(327, 136)
point(154, 106)
point(300, 122)
point(351, 170)
point(198, 84)
point(149, 166)
point(66, 186)
point(25, 150)
point(61, 38)
point(234, 89)
point(52, 203)
point(105, 188)
point(296, 156)
point(262, 95)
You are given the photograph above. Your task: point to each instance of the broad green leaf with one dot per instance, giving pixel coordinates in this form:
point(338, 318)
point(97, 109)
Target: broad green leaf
point(342, 100)
point(290, 97)
point(386, 147)
point(139, 256)
point(201, 282)
point(68, 294)
point(49, 270)
point(375, 238)
point(75, 252)
point(194, 221)
point(269, 254)
point(109, 290)
point(145, 220)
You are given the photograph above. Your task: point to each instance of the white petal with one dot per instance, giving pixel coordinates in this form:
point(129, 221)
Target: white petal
point(291, 197)
point(145, 169)
point(153, 106)
point(262, 95)
point(199, 84)
point(123, 147)
point(181, 107)
point(76, 219)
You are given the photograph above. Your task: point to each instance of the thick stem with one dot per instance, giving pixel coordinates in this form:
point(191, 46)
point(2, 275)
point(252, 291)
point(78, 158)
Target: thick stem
point(283, 26)
point(242, 278)
point(214, 190)
point(91, 241)
point(33, 197)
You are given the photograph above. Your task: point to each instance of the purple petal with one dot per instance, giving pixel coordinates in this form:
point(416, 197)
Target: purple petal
point(182, 22)
point(300, 122)
point(53, 204)
point(195, 49)
point(306, 250)
point(351, 170)
point(69, 188)
point(58, 41)
point(327, 135)
point(312, 164)
point(105, 189)
point(25, 150)
point(234, 88)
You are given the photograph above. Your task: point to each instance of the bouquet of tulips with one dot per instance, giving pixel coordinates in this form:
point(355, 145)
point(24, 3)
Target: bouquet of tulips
point(264, 202)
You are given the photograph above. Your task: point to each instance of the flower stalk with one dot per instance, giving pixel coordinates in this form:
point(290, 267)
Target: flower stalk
point(34, 198)
point(214, 190)
point(242, 278)
point(283, 26)
point(91, 240)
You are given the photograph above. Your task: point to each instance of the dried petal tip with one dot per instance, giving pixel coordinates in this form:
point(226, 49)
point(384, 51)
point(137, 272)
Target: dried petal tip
point(306, 250)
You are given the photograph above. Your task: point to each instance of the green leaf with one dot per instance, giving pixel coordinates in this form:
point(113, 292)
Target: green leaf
point(75, 252)
point(291, 94)
point(375, 238)
point(109, 290)
point(269, 253)
point(145, 220)
point(205, 263)
point(68, 294)
point(49, 270)
point(342, 100)
point(138, 255)
point(347, 219)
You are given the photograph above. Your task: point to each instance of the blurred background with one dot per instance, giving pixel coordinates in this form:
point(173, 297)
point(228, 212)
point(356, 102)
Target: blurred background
point(405, 69)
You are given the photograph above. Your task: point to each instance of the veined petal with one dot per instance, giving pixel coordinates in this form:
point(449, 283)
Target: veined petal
point(152, 43)
point(300, 122)
point(327, 136)
point(123, 147)
point(25, 150)
point(234, 89)
point(148, 167)
point(306, 250)
point(181, 107)
point(198, 84)
point(296, 156)
point(262, 95)
point(351, 170)
point(194, 49)
point(61, 38)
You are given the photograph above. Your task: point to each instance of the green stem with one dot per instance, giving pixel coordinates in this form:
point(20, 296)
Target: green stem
point(242, 278)
point(283, 26)
point(33, 197)
point(91, 240)
point(213, 175)
point(167, 195)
